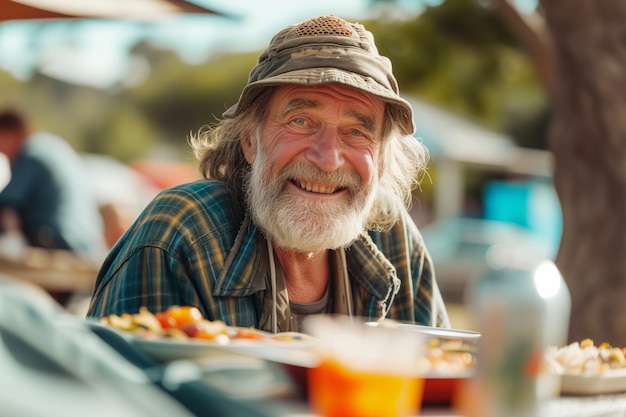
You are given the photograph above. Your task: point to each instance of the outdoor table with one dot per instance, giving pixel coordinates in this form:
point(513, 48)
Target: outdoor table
point(32, 318)
point(51, 269)
point(609, 405)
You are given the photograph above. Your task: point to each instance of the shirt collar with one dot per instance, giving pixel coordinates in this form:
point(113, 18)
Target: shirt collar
point(369, 267)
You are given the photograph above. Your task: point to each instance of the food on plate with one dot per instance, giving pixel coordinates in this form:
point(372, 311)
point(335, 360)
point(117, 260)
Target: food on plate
point(443, 357)
point(187, 323)
point(585, 357)
point(174, 323)
point(446, 357)
point(448, 352)
point(179, 316)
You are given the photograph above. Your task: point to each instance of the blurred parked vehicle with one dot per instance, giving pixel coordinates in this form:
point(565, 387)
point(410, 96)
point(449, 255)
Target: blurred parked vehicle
point(459, 248)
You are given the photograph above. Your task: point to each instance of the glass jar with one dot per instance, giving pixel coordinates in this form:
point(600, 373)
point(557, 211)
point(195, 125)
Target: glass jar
point(521, 306)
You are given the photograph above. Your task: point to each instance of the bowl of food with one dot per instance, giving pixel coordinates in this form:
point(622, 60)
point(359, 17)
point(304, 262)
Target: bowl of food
point(587, 368)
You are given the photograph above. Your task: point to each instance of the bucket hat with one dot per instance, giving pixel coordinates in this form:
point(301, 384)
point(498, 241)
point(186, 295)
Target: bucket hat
point(326, 50)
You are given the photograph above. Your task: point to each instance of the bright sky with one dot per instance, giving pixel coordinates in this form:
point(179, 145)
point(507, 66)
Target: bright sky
point(96, 53)
point(258, 21)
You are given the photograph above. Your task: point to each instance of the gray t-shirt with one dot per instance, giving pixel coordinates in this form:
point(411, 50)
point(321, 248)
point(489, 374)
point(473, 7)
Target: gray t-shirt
point(300, 311)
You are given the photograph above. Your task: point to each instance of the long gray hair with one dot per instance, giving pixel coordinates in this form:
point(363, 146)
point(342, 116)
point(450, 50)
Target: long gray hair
point(403, 159)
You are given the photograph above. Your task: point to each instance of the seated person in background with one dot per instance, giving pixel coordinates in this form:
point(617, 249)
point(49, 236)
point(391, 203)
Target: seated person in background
point(48, 199)
point(304, 206)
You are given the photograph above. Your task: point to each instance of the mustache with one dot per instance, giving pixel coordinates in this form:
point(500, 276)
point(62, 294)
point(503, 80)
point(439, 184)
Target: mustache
point(300, 170)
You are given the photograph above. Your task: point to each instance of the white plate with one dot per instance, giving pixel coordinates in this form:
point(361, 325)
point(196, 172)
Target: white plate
point(611, 381)
point(171, 349)
point(167, 349)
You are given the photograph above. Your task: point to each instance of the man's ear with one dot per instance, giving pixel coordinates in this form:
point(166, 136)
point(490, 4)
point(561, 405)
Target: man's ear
point(248, 148)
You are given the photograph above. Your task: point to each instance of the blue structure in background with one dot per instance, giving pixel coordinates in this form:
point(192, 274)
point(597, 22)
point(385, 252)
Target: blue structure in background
point(524, 215)
point(531, 204)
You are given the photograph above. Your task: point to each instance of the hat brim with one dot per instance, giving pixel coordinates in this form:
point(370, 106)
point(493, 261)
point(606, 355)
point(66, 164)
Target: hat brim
point(403, 113)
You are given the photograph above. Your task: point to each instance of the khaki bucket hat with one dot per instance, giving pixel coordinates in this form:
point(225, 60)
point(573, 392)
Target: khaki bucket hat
point(326, 50)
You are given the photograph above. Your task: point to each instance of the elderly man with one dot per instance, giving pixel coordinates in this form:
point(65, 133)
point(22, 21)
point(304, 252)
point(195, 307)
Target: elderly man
point(304, 206)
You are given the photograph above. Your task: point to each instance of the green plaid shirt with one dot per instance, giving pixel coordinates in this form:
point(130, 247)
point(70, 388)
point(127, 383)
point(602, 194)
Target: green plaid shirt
point(195, 245)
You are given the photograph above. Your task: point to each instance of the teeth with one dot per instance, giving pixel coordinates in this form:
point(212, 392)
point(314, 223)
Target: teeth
point(321, 189)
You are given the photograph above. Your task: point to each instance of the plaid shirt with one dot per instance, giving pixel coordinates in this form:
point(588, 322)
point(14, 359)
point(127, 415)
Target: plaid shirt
point(195, 245)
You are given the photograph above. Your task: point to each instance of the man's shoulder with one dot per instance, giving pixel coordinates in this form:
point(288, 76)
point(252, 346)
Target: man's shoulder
point(201, 190)
point(203, 196)
point(187, 212)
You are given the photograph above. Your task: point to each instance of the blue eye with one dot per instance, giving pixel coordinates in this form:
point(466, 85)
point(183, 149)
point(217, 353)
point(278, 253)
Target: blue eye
point(356, 132)
point(299, 121)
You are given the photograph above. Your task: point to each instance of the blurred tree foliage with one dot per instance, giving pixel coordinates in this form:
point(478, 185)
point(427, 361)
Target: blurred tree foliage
point(462, 56)
point(457, 54)
point(182, 99)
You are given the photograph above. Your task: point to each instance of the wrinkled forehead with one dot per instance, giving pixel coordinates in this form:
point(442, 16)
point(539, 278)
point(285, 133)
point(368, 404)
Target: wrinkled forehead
point(335, 91)
point(349, 100)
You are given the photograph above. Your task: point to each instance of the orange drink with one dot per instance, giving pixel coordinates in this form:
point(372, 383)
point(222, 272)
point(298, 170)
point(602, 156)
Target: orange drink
point(337, 391)
point(364, 371)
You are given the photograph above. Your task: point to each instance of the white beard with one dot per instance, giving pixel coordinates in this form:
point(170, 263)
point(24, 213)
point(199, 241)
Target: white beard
point(292, 222)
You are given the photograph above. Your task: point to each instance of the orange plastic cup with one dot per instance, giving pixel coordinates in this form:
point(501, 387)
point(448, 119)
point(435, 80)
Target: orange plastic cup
point(337, 391)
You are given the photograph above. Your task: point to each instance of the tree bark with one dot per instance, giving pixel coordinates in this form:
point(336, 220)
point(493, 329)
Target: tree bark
point(588, 139)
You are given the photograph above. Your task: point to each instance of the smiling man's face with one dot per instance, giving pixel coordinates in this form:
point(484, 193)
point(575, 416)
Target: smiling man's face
point(315, 166)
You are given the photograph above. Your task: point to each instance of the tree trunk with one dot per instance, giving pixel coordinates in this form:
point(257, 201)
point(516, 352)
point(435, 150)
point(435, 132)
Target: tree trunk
point(588, 140)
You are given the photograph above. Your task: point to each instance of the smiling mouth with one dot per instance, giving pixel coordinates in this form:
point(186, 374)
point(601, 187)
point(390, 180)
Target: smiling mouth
point(317, 188)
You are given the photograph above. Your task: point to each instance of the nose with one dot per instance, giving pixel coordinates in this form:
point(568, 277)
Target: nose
point(325, 150)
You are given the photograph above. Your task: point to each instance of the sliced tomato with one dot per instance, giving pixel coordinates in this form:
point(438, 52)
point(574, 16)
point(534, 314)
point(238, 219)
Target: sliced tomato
point(166, 321)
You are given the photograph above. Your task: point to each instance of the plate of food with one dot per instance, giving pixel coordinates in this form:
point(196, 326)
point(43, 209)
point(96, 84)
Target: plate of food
point(589, 369)
point(181, 332)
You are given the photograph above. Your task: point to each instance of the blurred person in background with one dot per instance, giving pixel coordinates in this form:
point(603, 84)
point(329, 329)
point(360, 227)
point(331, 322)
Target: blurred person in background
point(48, 201)
point(303, 209)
